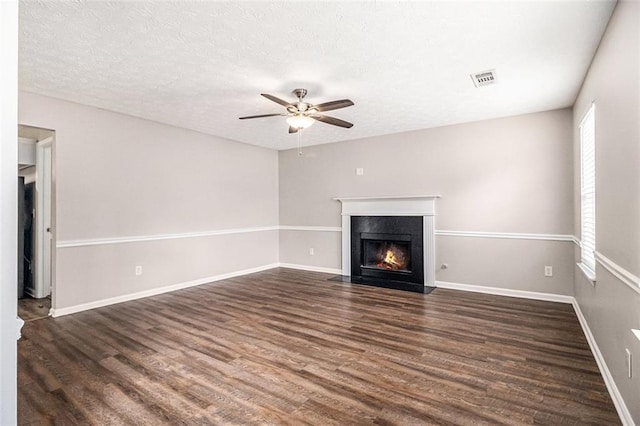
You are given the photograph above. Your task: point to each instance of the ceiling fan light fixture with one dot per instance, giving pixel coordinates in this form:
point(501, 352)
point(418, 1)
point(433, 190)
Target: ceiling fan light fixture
point(301, 115)
point(300, 121)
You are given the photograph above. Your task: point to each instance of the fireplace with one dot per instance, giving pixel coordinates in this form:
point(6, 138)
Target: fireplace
point(386, 255)
point(389, 239)
point(387, 248)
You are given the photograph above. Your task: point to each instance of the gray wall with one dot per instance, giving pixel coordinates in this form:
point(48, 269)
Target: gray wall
point(509, 175)
point(611, 307)
point(118, 176)
point(8, 209)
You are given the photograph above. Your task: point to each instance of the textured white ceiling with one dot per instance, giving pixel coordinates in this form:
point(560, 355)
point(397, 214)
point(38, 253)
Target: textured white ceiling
point(406, 65)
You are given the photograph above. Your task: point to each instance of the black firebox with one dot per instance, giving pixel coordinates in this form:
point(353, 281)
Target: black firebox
point(387, 248)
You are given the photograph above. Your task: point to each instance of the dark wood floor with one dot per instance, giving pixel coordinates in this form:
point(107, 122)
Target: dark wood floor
point(30, 309)
point(290, 347)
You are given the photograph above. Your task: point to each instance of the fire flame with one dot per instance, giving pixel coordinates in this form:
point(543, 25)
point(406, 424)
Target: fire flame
point(390, 258)
point(390, 261)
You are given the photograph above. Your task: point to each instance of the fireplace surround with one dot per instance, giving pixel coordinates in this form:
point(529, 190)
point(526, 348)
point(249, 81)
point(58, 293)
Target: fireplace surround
point(387, 248)
point(420, 208)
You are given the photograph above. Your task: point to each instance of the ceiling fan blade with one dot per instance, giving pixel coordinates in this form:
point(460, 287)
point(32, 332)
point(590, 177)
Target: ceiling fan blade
point(277, 100)
point(259, 116)
point(332, 120)
point(293, 129)
point(328, 106)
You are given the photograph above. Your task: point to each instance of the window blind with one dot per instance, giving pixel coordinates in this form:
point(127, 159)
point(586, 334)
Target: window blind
point(588, 189)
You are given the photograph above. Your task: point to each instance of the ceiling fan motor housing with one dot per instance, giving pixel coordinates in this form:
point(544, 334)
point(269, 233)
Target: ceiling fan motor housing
point(300, 93)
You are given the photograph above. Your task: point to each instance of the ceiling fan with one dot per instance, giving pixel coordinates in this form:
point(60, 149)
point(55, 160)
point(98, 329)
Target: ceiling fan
point(301, 115)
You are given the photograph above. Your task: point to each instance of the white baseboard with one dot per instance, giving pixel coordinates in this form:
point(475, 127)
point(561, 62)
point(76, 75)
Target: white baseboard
point(311, 268)
point(58, 312)
point(621, 407)
point(549, 297)
point(155, 291)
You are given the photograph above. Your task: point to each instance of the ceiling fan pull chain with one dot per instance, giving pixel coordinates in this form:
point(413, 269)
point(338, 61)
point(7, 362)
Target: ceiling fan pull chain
point(299, 142)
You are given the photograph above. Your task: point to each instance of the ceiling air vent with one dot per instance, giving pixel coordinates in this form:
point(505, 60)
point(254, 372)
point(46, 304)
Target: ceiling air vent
point(484, 78)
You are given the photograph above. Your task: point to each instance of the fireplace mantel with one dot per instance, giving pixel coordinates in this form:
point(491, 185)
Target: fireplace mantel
point(403, 205)
point(408, 205)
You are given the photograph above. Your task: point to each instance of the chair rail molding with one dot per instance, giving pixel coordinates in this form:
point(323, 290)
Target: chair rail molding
point(450, 233)
point(304, 228)
point(506, 235)
point(156, 237)
point(619, 272)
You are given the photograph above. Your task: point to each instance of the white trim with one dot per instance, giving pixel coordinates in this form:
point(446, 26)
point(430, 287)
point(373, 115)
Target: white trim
point(387, 197)
point(385, 213)
point(30, 141)
point(429, 248)
point(345, 245)
point(311, 228)
point(26, 152)
point(588, 273)
point(19, 324)
point(523, 294)
point(576, 241)
point(44, 225)
point(141, 238)
point(588, 192)
point(448, 233)
point(155, 291)
point(618, 271)
point(310, 268)
point(506, 235)
point(636, 333)
point(618, 401)
point(419, 205)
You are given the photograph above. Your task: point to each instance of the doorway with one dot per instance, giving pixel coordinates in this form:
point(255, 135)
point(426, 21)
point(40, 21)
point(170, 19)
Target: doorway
point(36, 213)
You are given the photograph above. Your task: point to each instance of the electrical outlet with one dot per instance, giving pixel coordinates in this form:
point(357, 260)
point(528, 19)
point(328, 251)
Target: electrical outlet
point(138, 270)
point(548, 271)
point(628, 356)
point(311, 251)
point(359, 171)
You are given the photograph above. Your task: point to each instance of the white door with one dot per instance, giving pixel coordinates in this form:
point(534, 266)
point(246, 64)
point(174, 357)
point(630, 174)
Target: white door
point(43, 219)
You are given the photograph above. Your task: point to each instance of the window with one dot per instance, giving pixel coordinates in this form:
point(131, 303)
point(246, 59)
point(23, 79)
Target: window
point(588, 193)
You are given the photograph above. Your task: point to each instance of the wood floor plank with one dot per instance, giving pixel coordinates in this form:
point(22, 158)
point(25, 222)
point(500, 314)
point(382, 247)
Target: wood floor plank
point(30, 309)
point(290, 347)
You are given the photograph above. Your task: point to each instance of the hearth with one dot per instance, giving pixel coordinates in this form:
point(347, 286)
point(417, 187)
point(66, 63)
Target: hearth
point(387, 248)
